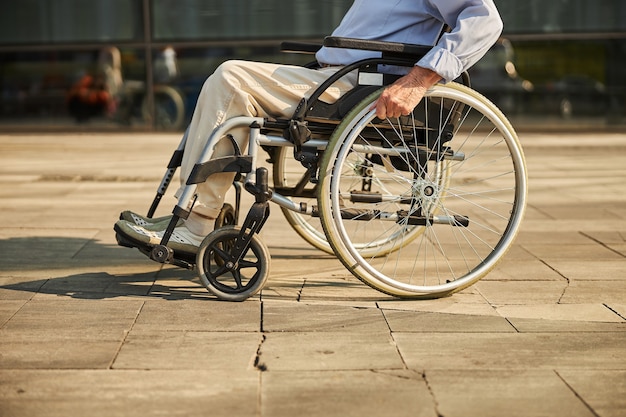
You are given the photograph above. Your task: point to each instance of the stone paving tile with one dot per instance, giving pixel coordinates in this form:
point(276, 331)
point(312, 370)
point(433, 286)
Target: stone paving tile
point(468, 302)
point(52, 318)
point(612, 237)
point(312, 264)
point(618, 247)
point(346, 393)
point(526, 270)
point(602, 390)
point(406, 321)
point(573, 211)
point(118, 261)
point(533, 212)
point(299, 317)
point(49, 247)
point(339, 287)
point(14, 197)
point(128, 393)
point(618, 308)
point(586, 225)
point(94, 285)
point(561, 237)
point(521, 292)
point(8, 308)
point(305, 351)
point(517, 252)
point(282, 288)
point(540, 351)
point(618, 210)
point(592, 252)
point(199, 315)
point(157, 349)
point(63, 334)
point(565, 326)
point(604, 270)
point(25, 350)
point(494, 393)
point(570, 312)
point(181, 288)
point(582, 292)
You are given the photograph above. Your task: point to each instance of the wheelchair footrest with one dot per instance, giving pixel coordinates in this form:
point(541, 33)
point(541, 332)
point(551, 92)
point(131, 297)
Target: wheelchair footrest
point(180, 259)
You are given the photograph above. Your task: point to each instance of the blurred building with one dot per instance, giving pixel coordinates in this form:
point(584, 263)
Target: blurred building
point(125, 64)
point(570, 55)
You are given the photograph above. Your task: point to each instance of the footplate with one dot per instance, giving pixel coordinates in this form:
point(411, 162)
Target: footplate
point(157, 253)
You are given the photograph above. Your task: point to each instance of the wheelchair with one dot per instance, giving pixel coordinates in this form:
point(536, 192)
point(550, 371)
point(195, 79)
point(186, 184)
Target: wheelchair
point(421, 206)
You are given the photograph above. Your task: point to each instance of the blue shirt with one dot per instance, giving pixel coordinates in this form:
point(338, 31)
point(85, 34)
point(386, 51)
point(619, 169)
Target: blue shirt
point(475, 27)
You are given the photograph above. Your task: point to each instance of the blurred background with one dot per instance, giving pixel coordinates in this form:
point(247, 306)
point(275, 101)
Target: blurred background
point(139, 64)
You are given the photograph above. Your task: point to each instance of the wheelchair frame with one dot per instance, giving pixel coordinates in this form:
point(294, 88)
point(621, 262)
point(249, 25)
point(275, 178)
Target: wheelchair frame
point(224, 251)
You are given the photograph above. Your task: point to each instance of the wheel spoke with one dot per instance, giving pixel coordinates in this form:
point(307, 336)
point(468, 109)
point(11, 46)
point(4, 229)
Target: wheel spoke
point(237, 277)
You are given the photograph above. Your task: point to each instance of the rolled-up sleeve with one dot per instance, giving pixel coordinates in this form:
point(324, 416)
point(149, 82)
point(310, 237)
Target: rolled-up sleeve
point(475, 27)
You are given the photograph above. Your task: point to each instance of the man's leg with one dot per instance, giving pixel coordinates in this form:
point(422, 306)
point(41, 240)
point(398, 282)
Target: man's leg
point(240, 88)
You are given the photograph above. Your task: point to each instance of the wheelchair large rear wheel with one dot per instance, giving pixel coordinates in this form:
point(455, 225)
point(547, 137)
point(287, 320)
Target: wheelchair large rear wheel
point(452, 181)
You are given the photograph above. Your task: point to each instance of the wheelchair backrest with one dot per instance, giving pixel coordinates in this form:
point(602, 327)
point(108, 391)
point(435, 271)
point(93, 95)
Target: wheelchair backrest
point(373, 74)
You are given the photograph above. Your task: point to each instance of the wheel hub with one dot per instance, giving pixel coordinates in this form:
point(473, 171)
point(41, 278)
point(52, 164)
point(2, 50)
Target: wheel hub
point(426, 191)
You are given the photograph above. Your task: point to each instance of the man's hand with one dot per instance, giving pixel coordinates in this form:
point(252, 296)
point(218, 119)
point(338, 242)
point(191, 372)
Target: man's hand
point(401, 97)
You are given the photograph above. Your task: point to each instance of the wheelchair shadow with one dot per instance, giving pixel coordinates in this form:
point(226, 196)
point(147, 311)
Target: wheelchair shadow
point(95, 264)
point(103, 285)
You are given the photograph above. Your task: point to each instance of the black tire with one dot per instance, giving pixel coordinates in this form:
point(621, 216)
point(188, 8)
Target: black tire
point(221, 276)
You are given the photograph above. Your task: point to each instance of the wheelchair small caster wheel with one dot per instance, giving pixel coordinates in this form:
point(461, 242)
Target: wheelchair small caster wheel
point(222, 274)
point(162, 254)
point(227, 217)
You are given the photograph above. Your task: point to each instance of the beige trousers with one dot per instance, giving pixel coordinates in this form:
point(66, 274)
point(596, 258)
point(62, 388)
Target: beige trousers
point(241, 88)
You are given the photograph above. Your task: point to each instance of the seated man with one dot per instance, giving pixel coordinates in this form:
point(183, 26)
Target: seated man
point(268, 90)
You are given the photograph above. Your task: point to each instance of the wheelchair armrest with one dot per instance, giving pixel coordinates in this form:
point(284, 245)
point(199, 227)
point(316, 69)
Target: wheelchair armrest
point(300, 47)
point(396, 49)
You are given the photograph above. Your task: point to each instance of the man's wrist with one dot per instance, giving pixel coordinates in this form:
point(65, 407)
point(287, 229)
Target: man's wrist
point(424, 77)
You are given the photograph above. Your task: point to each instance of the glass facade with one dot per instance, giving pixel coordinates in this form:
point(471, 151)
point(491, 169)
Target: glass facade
point(563, 16)
point(124, 64)
point(70, 21)
point(180, 20)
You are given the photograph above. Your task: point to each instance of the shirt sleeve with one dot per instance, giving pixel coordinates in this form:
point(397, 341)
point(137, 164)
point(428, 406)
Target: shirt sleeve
point(475, 27)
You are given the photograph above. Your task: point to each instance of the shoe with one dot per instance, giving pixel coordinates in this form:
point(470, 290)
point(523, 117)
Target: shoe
point(182, 240)
point(140, 220)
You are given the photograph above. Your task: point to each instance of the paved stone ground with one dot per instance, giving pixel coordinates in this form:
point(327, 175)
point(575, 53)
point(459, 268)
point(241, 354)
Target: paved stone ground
point(88, 328)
